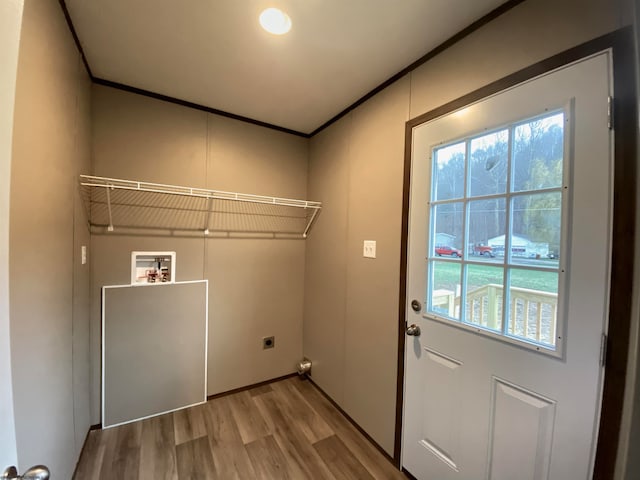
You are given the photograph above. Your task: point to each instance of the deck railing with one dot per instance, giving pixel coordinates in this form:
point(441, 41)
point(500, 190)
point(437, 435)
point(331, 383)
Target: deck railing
point(532, 313)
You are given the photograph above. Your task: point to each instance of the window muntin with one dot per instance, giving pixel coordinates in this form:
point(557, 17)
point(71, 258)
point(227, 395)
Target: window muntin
point(496, 221)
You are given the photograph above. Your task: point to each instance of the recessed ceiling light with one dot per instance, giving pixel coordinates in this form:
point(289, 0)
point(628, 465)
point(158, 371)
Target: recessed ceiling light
point(275, 21)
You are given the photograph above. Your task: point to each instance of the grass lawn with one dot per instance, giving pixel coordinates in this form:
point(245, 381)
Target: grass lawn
point(447, 275)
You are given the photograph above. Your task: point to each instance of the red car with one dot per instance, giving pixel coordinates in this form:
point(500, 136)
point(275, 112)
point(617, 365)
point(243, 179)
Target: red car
point(446, 250)
point(485, 250)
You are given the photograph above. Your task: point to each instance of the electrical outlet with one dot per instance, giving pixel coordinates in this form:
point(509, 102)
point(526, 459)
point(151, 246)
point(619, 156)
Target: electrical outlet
point(268, 342)
point(369, 249)
point(83, 254)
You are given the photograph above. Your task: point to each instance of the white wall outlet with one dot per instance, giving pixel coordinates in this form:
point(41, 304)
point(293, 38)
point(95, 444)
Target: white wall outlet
point(83, 254)
point(369, 250)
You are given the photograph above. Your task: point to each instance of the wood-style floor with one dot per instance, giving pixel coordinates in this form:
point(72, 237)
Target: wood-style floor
point(284, 430)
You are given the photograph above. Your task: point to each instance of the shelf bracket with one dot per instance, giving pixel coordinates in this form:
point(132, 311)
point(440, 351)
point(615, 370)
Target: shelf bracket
point(209, 212)
point(313, 217)
point(110, 227)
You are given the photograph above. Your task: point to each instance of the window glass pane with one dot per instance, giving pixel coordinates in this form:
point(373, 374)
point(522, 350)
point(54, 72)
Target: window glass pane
point(444, 289)
point(483, 298)
point(449, 171)
point(535, 234)
point(533, 305)
point(447, 228)
point(487, 226)
point(471, 273)
point(537, 153)
point(488, 164)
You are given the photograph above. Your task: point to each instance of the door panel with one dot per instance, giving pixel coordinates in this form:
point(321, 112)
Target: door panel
point(481, 400)
point(441, 425)
point(521, 433)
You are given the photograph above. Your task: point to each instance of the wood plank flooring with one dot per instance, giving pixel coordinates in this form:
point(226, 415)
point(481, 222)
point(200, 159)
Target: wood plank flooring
point(284, 430)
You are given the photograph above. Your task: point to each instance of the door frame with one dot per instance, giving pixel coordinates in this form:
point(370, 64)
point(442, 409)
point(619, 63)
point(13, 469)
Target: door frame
point(11, 26)
point(620, 42)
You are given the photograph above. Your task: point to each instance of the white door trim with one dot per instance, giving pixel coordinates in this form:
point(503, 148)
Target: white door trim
point(10, 26)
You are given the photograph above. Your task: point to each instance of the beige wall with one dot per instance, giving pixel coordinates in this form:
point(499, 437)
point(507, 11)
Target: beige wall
point(256, 282)
point(356, 170)
point(10, 24)
point(326, 260)
point(81, 277)
point(49, 325)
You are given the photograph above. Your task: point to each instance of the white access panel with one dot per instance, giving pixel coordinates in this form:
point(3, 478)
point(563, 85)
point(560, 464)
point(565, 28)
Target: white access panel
point(154, 349)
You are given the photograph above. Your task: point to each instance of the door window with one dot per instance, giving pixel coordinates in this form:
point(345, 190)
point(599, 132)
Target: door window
point(495, 242)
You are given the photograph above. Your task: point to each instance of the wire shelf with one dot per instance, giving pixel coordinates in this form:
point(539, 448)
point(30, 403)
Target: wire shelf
point(133, 205)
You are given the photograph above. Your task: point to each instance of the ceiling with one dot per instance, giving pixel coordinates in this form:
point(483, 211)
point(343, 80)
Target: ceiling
point(214, 52)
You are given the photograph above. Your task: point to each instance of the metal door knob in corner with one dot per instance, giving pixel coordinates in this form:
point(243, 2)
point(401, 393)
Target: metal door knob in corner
point(413, 330)
point(39, 472)
point(10, 473)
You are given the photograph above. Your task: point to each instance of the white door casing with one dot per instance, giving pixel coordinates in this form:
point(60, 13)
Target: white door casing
point(10, 24)
point(479, 407)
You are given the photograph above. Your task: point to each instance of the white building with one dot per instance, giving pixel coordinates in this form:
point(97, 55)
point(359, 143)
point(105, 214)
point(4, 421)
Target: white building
point(520, 246)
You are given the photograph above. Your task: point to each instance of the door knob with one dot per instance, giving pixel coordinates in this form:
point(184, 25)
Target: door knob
point(39, 472)
point(413, 330)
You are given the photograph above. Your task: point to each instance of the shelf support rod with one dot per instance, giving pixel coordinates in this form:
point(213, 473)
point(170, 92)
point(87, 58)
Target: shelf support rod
point(313, 217)
point(209, 212)
point(110, 227)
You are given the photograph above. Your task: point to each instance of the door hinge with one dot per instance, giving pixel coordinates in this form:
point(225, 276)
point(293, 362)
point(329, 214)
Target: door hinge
point(603, 350)
point(610, 108)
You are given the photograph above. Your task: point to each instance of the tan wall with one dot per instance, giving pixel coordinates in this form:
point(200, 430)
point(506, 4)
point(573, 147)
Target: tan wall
point(326, 260)
point(256, 283)
point(49, 324)
point(356, 170)
point(81, 277)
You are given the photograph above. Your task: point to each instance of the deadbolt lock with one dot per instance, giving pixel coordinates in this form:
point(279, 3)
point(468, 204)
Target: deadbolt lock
point(416, 306)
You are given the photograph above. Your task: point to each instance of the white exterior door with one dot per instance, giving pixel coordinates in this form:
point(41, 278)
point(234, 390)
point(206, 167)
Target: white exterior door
point(509, 258)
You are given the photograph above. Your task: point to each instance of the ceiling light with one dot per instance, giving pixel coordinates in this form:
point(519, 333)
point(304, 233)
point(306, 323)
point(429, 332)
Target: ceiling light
point(275, 21)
